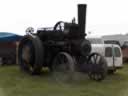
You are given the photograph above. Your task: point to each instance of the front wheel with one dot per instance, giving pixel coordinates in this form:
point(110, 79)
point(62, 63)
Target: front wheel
point(97, 67)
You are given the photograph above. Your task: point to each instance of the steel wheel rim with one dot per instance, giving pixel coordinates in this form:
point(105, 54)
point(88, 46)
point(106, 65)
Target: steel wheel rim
point(96, 71)
point(63, 71)
point(27, 55)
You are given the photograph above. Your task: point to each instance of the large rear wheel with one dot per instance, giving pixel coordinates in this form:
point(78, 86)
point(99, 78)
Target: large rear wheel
point(63, 67)
point(30, 54)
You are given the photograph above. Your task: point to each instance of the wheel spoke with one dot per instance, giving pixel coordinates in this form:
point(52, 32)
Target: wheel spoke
point(93, 60)
point(97, 59)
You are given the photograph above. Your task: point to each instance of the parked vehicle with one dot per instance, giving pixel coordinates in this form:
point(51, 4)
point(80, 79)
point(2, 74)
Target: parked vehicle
point(112, 54)
point(124, 47)
point(112, 42)
point(94, 40)
point(125, 51)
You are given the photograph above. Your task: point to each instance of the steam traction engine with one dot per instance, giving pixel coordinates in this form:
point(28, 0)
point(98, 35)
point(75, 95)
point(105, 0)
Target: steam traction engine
point(62, 49)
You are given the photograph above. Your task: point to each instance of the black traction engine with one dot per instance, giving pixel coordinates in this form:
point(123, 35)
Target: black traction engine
point(62, 48)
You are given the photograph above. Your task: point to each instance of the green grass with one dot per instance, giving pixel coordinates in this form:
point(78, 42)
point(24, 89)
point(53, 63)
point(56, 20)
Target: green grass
point(15, 83)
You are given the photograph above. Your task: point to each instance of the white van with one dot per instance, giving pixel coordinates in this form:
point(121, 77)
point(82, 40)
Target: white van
point(96, 40)
point(112, 54)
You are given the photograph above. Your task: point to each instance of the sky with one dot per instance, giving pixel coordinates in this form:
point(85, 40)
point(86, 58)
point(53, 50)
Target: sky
point(104, 17)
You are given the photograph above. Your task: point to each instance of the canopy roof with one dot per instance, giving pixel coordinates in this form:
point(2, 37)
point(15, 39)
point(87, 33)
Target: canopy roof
point(7, 36)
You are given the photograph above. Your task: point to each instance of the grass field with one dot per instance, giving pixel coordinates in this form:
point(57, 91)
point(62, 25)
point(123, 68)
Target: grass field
point(15, 83)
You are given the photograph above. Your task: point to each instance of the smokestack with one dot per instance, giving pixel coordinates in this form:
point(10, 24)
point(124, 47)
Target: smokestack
point(82, 18)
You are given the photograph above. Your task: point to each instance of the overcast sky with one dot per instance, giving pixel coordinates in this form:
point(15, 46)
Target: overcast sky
point(103, 16)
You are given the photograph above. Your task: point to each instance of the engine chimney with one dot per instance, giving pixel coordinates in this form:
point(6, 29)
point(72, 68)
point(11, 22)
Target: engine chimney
point(82, 18)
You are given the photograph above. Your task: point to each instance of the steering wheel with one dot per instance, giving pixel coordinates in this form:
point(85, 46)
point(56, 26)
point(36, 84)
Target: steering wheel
point(59, 26)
